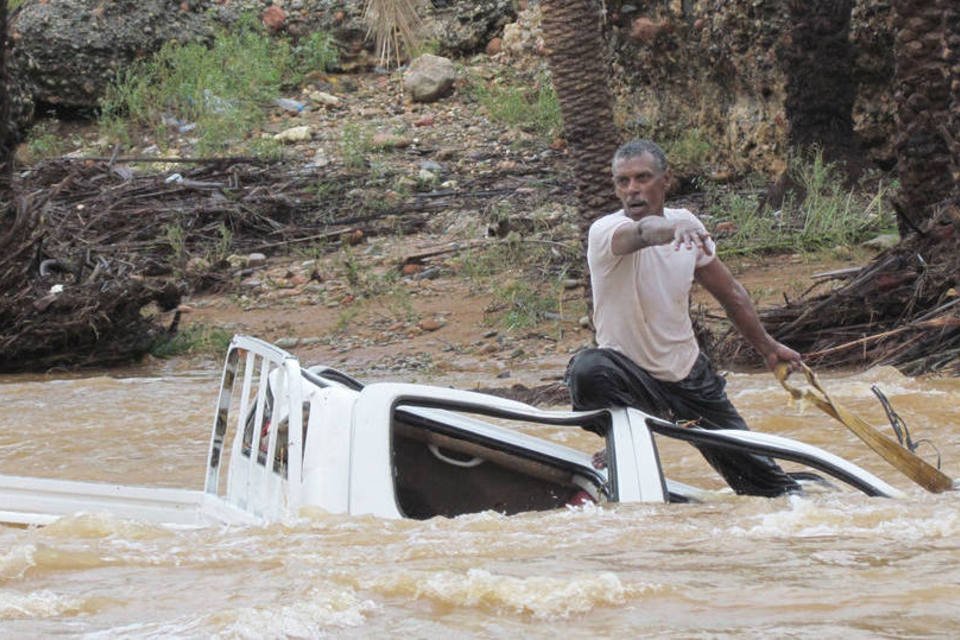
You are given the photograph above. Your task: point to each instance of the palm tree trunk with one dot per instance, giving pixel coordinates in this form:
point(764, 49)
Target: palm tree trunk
point(926, 104)
point(578, 63)
point(951, 22)
point(6, 127)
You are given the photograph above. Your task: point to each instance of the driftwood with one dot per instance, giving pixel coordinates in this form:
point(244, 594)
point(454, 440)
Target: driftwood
point(94, 251)
point(902, 309)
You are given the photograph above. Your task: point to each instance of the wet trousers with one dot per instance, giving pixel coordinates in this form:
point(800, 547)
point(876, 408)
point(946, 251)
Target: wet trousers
point(599, 378)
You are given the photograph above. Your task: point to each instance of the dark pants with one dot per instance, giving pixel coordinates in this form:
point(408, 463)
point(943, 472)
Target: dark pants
point(600, 378)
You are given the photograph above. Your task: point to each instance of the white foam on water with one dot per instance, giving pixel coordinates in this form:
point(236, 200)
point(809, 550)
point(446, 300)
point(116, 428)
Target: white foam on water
point(38, 604)
point(103, 525)
point(17, 561)
point(542, 597)
point(314, 615)
point(934, 517)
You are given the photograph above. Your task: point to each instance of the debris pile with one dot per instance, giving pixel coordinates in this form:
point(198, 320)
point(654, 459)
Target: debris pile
point(902, 309)
point(98, 253)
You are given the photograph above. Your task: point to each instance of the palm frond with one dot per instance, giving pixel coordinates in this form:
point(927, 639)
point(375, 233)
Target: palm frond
point(393, 24)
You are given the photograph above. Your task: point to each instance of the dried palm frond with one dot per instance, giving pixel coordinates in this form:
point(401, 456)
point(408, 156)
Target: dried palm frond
point(393, 24)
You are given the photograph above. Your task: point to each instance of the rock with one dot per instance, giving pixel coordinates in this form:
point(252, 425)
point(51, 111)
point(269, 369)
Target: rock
point(274, 18)
point(291, 342)
point(302, 133)
point(429, 78)
point(381, 140)
point(494, 46)
point(462, 28)
point(523, 39)
point(432, 166)
point(431, 324)
point(256, 260)
point(352, 238)
point(324, 98)
point(67, 52)
point(645, 30)
point(320, 159)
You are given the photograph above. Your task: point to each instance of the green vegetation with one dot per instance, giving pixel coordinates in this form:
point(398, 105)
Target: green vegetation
point(44, 142)
point(194, 339)
point(689, 151)
point(525, 280)
point(534, 109)
point(176, 237)
point(219, 95)
point(529, 304)
point(356, 142)
point(830, 214)
point(317, 52)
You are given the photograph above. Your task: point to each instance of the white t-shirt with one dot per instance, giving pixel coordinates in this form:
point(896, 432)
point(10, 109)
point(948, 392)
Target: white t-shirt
point(641, 299)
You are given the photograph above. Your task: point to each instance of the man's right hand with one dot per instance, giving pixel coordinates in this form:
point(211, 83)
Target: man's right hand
point(786, 355)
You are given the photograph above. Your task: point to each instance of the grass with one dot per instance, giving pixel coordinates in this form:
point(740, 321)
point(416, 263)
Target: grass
point(528, 304)
point(193, 339)
point(535, 109)
point(217, 95)
point(830, 214)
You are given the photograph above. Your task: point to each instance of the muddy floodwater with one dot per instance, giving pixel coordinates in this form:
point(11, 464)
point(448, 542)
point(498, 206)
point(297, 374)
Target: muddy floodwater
point(832, 565)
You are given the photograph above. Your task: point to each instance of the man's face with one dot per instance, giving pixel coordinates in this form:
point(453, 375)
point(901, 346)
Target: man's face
point(640, 186)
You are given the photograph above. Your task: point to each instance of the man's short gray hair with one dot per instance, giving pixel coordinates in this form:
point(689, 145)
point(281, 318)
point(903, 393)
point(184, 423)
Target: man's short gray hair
point(636, 148)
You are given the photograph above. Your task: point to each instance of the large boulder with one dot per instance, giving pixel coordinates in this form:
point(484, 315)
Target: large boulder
point(67, 52)
point(465, 28)
point(429, 78)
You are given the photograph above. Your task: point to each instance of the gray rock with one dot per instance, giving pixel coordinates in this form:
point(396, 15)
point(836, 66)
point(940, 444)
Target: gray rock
point(429, 78)
point(464, 28)
point(67, 52)
point(256, 260)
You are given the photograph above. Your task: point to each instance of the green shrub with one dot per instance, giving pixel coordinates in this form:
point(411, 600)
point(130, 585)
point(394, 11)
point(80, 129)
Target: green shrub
point(355, 143)
point(217, 94)
point(316, 52)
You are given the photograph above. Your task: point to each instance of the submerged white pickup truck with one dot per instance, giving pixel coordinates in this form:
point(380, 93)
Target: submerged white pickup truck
point(286, 437)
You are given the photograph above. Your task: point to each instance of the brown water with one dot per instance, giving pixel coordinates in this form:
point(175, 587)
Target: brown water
point(825, 566)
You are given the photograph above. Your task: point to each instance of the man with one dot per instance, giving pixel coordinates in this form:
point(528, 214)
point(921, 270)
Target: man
point(643, 260)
